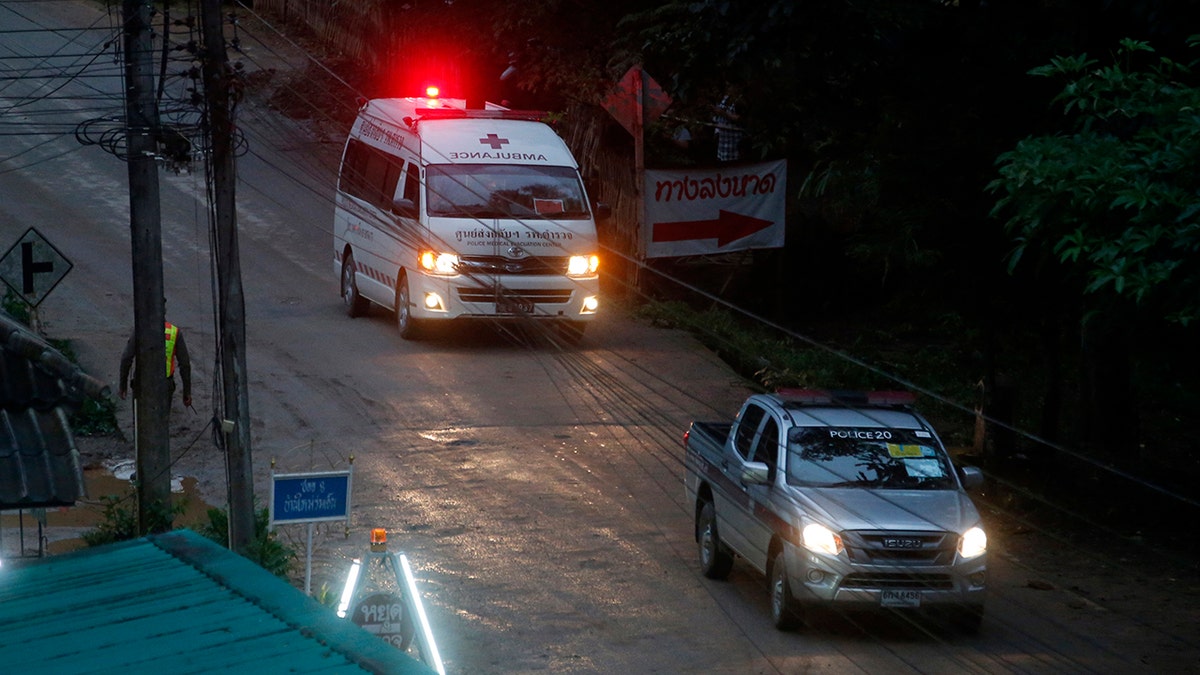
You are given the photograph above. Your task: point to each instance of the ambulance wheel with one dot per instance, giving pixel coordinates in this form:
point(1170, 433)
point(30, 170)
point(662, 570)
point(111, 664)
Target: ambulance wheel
point(409, 326)
point(356, 304)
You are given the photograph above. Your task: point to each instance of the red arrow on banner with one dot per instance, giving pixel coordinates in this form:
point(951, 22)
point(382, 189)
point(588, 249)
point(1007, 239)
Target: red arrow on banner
point(727, 227)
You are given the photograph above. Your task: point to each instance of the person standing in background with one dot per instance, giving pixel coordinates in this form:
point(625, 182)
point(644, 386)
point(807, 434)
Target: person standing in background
point(729, 134)
point(177, 355)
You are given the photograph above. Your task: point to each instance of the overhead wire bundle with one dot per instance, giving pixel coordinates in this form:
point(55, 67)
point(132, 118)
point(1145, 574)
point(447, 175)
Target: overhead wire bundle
point(598, 378)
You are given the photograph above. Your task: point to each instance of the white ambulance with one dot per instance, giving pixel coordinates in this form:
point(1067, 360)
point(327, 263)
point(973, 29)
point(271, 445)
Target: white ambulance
point(444, 212)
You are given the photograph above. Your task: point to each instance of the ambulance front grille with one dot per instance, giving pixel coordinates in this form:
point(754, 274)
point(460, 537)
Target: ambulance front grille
point(538, 296)
point(500, 265)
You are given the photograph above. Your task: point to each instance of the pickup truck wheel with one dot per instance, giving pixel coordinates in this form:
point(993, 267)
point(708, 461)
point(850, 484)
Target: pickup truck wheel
point(356, 304)
point(784, 612)
point(715, 560)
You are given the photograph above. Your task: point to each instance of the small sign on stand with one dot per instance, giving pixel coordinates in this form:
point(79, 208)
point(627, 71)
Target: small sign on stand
point(383, 614)
point(397, 617)
point(310, 498)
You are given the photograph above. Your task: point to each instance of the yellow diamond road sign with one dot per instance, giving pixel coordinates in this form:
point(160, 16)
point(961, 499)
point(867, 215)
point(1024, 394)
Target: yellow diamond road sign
point(33, 267)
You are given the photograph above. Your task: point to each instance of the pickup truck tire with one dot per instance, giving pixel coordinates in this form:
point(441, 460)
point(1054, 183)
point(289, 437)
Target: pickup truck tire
point(785, 613)
point(715, 560)
point(356, 304)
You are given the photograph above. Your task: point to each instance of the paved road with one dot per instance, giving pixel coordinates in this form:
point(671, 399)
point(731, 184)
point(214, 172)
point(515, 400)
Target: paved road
point(537, 488)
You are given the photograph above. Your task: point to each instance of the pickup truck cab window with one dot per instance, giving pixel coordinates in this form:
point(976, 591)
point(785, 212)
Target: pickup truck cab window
point(747, 428)
point(878, 458)
point(766, 450)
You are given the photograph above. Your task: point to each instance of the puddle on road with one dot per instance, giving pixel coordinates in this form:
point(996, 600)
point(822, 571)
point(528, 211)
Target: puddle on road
point(66, 525)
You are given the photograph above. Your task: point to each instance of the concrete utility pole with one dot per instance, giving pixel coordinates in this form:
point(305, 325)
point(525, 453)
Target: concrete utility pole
point(231, 312)
point(151, 437)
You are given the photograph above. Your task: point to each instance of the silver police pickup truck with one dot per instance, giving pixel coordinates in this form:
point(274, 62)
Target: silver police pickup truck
point(842, 499)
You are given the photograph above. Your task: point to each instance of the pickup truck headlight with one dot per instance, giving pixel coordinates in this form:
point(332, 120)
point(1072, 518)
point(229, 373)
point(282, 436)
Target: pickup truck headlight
point(973, 543)
point(821, 539)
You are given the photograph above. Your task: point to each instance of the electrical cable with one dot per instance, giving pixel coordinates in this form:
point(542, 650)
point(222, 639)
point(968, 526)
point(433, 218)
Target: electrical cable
point(584, 370)
point(813, 343)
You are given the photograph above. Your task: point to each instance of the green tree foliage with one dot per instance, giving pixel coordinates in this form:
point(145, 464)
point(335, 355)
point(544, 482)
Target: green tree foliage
point(559, 50)
point(1114, 197)
point(265, 549)
point(119, 520)
point(14, 306)
point(889, 113)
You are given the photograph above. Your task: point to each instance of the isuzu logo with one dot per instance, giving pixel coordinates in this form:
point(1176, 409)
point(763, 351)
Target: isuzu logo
point(516, 252)
point(901, 542)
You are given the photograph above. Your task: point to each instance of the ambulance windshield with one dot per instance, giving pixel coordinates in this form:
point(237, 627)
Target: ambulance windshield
point(505, 191)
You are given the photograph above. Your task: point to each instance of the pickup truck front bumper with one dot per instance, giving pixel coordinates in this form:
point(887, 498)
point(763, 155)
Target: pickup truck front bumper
point(822, 579)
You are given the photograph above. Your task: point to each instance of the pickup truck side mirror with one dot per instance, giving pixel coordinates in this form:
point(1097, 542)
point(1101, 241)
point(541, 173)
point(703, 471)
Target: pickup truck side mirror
point(971, 477)
point(755, 473)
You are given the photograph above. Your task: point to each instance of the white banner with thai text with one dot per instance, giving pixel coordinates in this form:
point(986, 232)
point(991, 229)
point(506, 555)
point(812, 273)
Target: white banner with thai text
point(707, 211)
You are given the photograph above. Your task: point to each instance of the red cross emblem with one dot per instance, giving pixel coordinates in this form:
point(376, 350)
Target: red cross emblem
point(493, 140)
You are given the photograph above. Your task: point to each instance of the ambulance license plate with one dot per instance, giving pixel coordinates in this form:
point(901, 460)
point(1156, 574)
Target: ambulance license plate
point(514, 306)
point(900, 598)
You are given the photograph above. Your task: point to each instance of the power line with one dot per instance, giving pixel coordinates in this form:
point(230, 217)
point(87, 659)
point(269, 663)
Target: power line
point(850, 358)
point(585, 370)
point(599, 381)
point(758, 320)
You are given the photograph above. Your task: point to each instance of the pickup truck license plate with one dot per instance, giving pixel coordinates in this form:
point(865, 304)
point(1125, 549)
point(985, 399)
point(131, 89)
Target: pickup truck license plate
point(514, 306)
point(900, 599)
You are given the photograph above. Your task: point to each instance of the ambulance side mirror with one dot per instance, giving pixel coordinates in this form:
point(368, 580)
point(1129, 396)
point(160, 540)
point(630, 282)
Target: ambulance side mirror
point(405, 207)
point(601, 211)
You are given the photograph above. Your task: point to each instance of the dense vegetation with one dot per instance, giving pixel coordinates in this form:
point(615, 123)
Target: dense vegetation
point(996, 202)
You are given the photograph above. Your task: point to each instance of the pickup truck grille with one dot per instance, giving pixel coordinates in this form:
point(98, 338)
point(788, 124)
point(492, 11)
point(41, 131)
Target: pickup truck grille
point(923, 582)
point(900, 548)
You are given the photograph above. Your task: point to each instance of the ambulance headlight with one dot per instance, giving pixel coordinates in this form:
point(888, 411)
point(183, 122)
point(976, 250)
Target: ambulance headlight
point(438, 263)
point(583, 265)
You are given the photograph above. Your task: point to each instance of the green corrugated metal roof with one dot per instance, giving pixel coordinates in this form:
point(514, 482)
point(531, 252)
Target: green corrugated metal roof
point(178, 603)
point(39, 387)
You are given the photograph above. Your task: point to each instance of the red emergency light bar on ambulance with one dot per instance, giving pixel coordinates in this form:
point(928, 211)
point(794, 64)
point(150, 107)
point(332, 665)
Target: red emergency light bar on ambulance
point(448, 211)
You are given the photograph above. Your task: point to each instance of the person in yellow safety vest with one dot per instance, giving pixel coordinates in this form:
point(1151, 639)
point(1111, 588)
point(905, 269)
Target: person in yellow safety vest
point(177, 353)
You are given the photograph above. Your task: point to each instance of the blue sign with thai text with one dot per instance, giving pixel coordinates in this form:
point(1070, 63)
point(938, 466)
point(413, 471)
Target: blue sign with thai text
point(310, 497)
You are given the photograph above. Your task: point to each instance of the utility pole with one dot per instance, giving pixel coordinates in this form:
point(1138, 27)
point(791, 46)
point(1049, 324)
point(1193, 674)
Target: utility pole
point(231, 310)
point(150, 406)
